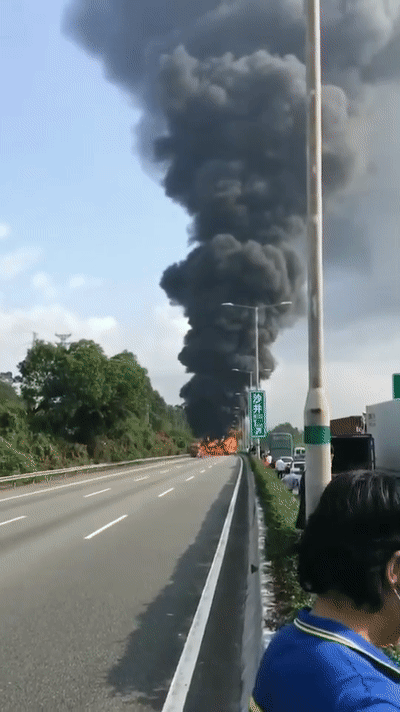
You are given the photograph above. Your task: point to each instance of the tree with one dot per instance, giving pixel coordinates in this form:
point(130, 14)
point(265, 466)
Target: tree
point(78, 393)
point(86, 400)
point(65, 390)
point(42, 374)
point(129, 385)
point(8, 393)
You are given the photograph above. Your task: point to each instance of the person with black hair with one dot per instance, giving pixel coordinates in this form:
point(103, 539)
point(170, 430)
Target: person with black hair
point(329, 659)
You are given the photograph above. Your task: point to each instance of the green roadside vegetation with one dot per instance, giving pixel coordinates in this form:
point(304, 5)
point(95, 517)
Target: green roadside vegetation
point(75, 406)
point(280, 508)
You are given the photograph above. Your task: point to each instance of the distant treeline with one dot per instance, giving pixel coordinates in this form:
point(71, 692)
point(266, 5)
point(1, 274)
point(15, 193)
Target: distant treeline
point(75, 405)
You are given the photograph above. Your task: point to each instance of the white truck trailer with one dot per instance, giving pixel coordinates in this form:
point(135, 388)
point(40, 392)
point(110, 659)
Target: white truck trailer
point(383, 422)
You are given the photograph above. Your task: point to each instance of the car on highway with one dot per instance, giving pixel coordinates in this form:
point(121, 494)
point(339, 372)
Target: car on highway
point(288, 460)
point(298, 467)
point(299, 453)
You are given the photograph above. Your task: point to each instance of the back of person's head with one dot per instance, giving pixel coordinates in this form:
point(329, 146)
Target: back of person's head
point(350, 537)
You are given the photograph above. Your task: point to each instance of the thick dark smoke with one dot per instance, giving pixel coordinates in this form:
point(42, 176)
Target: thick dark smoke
point(222, 88)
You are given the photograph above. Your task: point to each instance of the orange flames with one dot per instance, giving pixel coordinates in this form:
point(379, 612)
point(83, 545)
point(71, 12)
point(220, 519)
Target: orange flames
point(225, 446)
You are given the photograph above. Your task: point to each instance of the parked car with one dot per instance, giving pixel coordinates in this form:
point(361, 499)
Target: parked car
point(299, 452)
point(298, 467)
point(288, 460)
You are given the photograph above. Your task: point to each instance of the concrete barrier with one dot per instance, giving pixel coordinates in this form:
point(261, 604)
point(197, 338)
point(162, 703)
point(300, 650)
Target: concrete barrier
point(85, 468)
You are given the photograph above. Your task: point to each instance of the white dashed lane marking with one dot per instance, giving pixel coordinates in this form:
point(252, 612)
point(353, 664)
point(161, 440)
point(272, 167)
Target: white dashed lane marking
point(105, 527)
point(98, 492)
point(12, 520)
point(166, 492)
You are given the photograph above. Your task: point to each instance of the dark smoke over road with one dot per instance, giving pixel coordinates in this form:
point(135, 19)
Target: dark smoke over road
point(222, 89)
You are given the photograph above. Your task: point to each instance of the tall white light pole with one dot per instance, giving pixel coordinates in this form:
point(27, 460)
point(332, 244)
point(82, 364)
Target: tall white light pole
point(316, 412)
point(256, 308)
point(248, 438)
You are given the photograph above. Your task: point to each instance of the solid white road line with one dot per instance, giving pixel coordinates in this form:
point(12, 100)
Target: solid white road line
point(190, 478)
point(180, 684)
point(99, 492)
point(12, 520)
point(166, 491)
point(105, 527)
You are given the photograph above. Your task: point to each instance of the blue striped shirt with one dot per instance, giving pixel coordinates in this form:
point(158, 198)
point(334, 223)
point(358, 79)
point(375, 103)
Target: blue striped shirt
point(319, 665)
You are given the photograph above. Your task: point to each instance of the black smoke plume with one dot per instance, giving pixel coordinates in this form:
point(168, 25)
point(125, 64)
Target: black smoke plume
point(222, 89)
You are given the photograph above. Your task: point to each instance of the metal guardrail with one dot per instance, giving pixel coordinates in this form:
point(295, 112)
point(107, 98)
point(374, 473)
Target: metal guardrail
point(84, 468)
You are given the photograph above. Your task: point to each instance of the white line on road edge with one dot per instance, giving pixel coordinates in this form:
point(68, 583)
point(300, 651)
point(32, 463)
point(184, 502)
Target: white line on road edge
point(179, 688)
point(190, 478)
point(105, 527)
point(12, 520)
point(166, 491)
point(98, 492)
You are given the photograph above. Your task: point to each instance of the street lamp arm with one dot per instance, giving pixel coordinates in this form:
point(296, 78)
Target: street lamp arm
point(242, 306)
point(250, 306)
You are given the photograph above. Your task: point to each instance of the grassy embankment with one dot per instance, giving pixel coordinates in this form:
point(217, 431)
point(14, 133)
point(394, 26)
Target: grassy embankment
point(280, 513)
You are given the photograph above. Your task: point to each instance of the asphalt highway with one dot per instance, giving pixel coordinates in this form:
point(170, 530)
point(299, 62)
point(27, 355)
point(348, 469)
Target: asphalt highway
point(101, 576)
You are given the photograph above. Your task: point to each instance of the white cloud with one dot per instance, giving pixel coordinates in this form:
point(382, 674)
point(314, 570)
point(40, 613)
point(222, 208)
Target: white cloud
point(349, 388)
point(99, 325)
point(81, 280)
point(13, 263)
point(5, 230)
point(156, 344)
point(160, 340)
point(44, 283)
point(77, 280)
point(17, 327)
point(360, 360)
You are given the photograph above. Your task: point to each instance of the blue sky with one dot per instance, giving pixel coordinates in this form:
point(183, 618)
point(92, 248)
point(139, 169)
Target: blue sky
point(85, 232)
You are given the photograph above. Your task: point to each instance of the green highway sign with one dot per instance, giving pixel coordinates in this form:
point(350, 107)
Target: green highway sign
point(257, 414)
